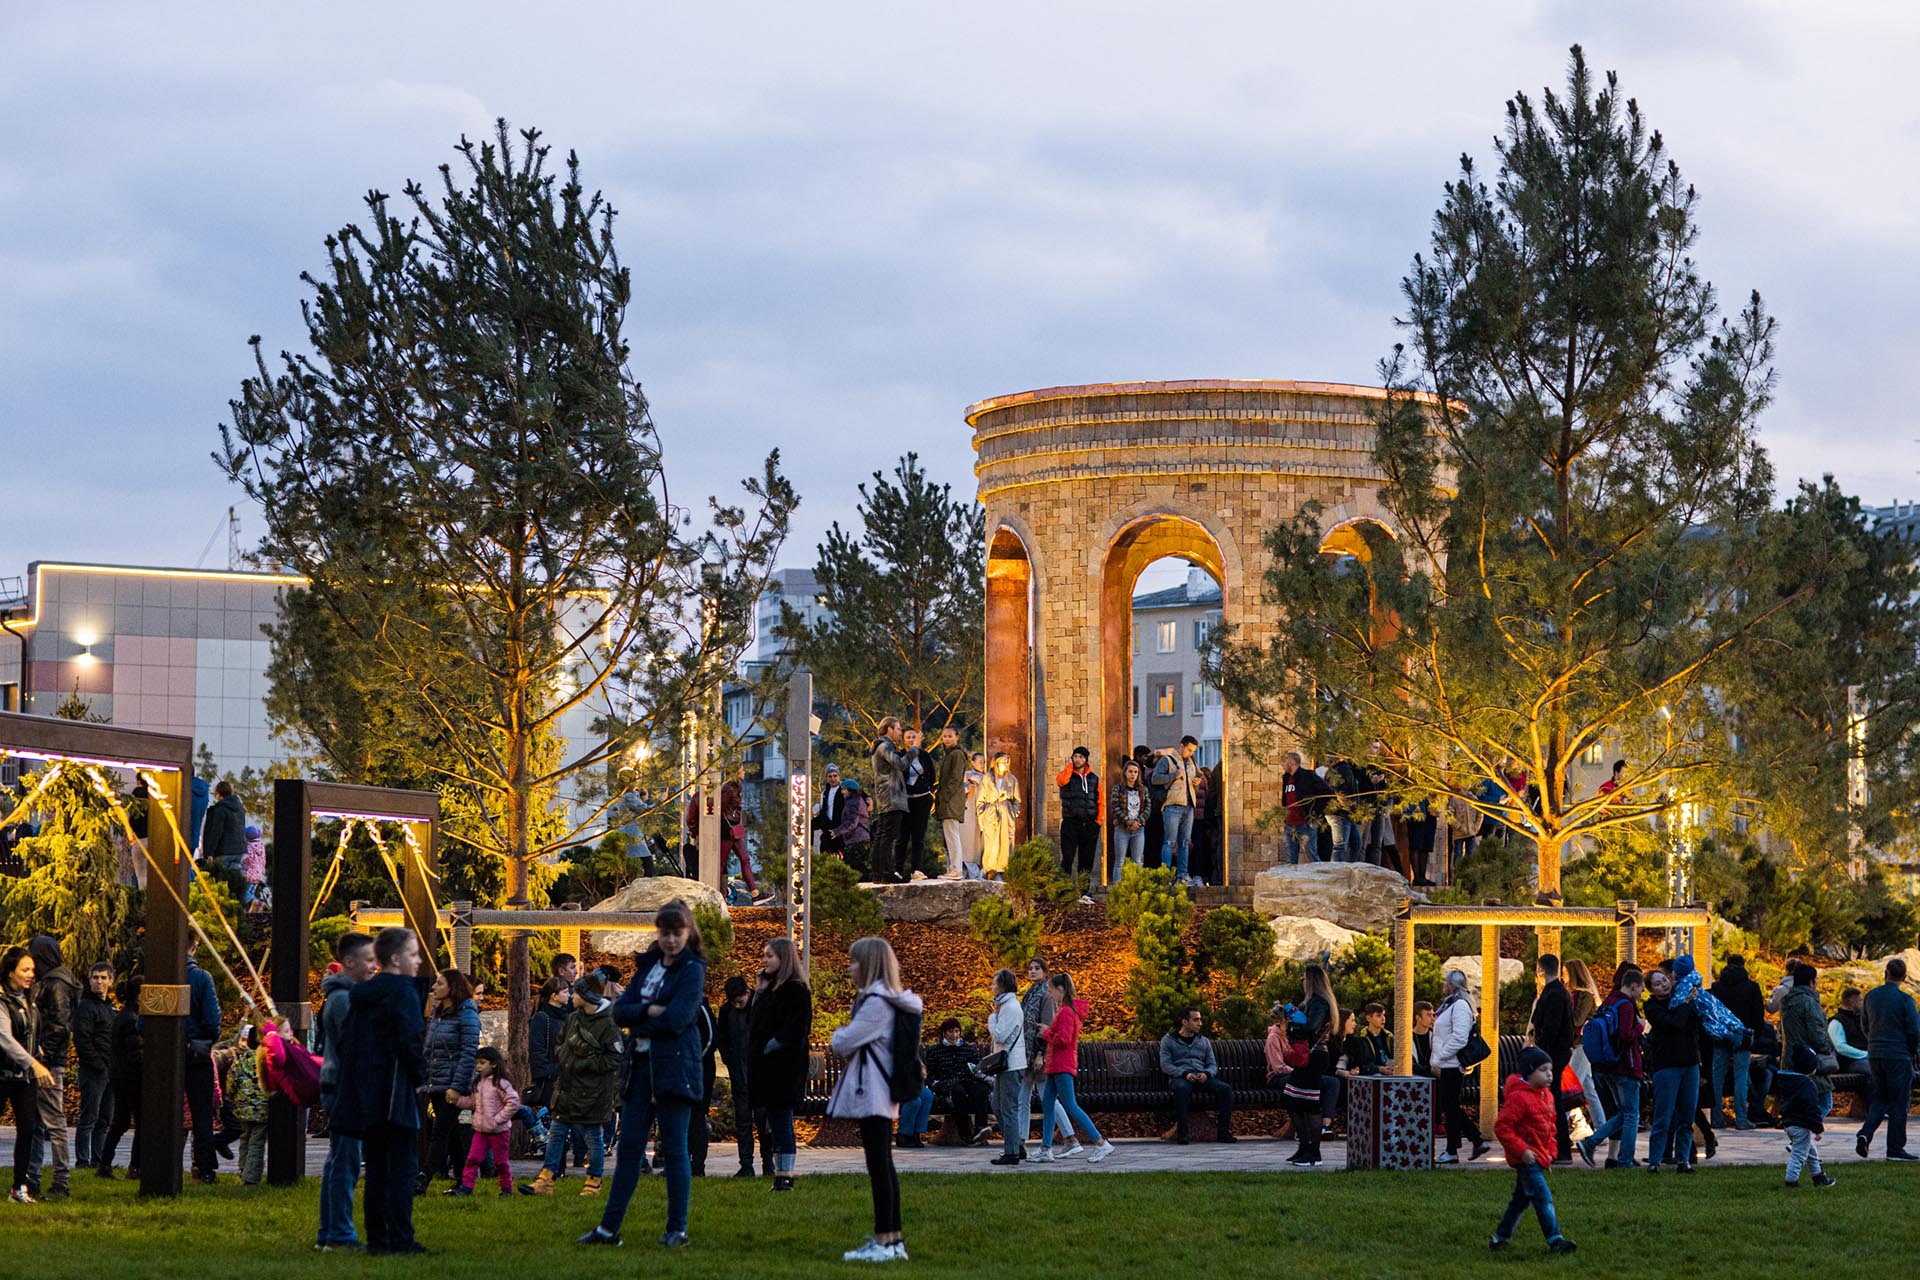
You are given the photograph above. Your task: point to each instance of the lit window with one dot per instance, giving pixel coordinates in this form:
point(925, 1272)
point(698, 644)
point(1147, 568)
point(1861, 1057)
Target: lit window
point(1594, 754)
point(1168, 637)
point(1193, 699)
point(1163, 704)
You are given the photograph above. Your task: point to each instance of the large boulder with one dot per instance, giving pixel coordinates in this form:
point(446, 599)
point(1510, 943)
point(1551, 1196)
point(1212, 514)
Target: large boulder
point(1470, 965)
point(1306, 938)
point(1353, 895)
point(944, 902)
point(650, 893)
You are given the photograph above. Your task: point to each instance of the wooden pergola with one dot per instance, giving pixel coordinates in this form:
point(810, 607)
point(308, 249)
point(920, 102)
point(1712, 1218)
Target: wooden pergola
point(164, 999)
point(1624, 918)
point(297, 804)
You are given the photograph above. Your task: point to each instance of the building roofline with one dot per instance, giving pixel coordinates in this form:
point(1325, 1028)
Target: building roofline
point(1183, 387)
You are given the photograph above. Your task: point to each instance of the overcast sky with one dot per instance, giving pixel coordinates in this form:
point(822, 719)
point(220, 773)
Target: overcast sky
point(847, 222)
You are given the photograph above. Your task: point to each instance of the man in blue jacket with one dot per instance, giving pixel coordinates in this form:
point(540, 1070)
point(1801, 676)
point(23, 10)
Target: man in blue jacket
point(203, 1028)
point(1893, 1037)
point(383, 1063)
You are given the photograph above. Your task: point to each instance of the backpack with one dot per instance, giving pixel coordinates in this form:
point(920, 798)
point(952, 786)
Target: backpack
point(1597, 1037)
point(909, 1073)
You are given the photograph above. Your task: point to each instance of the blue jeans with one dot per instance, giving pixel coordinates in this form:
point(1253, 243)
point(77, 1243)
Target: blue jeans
point(1727, 1058)
point(780, 1139)
point(1892, 1086)
point(1059, 1088)
point(1529, 1188)
point(1347, 837)
point(1177, 821)
point(1623, 1119)
point(562, 1135)
point(637, 1117)
point(1676, 1092)
point(1128, 846)
point(914, 1115)
point(1012, 1101)
point(337, 1178)
point(1300, 844)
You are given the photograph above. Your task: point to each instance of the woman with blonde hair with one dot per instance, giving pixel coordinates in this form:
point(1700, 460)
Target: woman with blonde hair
point(1586, 1000)
point(865, 1091)
point(778, 1027)
point(998, 803)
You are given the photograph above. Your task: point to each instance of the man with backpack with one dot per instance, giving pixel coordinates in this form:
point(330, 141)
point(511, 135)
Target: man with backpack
point(1611, 1039)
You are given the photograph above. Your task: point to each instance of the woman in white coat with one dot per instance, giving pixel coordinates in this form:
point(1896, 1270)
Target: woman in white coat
point(1012, 1095)
point(865, 1091)
point(1452, 1028)
point(998, 803)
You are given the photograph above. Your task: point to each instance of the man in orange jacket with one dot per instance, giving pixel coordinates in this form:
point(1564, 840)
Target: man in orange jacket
point(1526, 1132)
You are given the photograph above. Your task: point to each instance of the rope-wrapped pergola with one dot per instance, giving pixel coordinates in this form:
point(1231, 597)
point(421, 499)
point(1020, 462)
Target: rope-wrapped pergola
point(1624, 918)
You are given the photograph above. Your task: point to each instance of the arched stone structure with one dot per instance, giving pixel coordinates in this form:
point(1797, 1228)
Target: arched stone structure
point(1084, 486)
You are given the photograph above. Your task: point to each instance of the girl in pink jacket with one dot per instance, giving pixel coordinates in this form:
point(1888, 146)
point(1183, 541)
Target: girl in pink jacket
point(1063, 1061)
point(494, 1102)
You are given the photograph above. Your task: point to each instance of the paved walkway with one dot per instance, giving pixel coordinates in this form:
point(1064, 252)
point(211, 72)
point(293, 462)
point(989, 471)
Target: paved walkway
point(1147, 1155)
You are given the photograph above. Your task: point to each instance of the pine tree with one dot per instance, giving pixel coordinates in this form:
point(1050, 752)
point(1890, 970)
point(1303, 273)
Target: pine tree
point(907, 632)
point(466, 471)
point(1574, 487)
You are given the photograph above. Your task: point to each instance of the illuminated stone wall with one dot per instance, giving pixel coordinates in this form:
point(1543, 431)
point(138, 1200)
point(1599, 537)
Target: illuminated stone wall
point(1084, 487)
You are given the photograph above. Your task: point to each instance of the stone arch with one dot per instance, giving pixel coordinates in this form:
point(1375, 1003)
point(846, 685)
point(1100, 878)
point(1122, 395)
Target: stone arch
point(1139, 542)
point(1011, 710)
point(1092, 483)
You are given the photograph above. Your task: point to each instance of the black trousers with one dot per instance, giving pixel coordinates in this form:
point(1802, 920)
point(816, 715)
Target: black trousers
point(446, 1138)
point(969, 1102)
point(1080, 846)
point(1460, 1125)
point(876, 1139)
point(743, 1120)
point(1215, 1088)
point(1563, 1141)
point(126, 1115)
point(886, 843)
point(388, 1155)
point(914, 842)
point(25, 1098)
point(200, 1108)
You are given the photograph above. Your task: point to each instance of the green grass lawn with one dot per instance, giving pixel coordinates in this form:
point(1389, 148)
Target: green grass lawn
point(1720, 1222)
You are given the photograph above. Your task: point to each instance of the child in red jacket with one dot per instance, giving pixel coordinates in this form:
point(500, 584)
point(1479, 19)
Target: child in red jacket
point(1526, 1132)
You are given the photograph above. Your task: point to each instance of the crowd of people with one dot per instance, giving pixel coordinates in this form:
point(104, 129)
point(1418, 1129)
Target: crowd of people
point(412, 1095)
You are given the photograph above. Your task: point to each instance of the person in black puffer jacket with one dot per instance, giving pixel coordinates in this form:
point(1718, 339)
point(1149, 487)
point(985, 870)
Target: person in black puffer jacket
point(545, 1029)
point(56, 995)
point(93, 1047)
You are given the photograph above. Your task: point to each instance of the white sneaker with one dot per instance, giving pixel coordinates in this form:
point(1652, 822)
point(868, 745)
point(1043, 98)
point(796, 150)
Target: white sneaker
point(1073, 1150)
point(1086, 899)
point(873, 1251)
point(1043, 1156)
point(1100, 1152)
point(899, 1248)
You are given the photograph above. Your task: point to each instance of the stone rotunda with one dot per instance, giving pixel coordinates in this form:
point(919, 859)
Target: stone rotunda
point(1084, 487)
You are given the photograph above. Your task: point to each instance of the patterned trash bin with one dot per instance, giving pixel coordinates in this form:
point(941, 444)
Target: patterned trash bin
point(1390, 1122)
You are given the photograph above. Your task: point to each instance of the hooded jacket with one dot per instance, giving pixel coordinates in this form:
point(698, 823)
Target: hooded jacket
point(588, 1060)
point(1063, 1038)
point(334, 990)
point(1741, 994)
point(1526, 1123)
point(866, 1045)
point(1452, 1028)
point(494, 1102)
point(383, 1064)
point(56, 992)
point(224, 834)
point(1007, 1026)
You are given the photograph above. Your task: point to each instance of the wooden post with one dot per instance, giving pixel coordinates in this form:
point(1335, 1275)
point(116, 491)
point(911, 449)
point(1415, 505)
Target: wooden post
point(1490, 1025)
point(292, 866)
point(1403, 989)
point(164, 1000)
point(1703, 949)
point(1626, 944)
point(463, 936)
point(421, 867)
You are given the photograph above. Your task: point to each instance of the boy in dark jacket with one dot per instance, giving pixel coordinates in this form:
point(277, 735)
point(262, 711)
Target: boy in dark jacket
point(957, 1088)
point(1800, 1111)
point(730, 1040)
point(93, 1046)
point(383, 1064)
point(1525, 1128)
point(126, 1063)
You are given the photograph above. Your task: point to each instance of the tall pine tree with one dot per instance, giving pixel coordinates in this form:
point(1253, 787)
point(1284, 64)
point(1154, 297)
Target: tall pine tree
point(464, 467)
